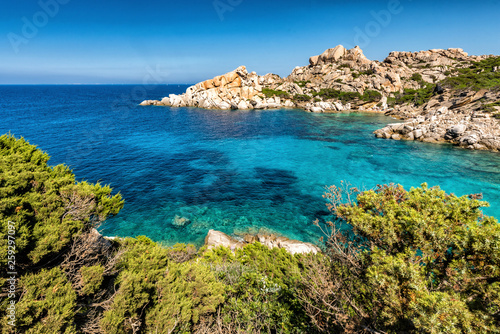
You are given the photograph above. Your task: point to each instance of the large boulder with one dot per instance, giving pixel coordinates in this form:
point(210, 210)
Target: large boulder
point(216, 238)
point(456, 130)
point(332, 55)
point(313, 61)
point(298, 247)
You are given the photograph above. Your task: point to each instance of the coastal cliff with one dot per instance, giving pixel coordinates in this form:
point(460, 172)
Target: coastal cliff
point(443, 95)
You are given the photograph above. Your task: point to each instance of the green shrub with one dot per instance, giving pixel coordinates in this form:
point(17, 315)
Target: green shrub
point(479, 75)
point(367, 72)
point(48, 304)
point(490, 107)
point(259, 304)
point(423, 260)
point(46, 204)
point(417, 77)
point(261, 289)
point(142, 266)
point(144, 240)
point(371, 96)
point(181, 253)
point(302, 84)
point(330, 93)
point(416, 96)
point(187, 292)
point(92, 278)
point(301, 98)
point(271, 93)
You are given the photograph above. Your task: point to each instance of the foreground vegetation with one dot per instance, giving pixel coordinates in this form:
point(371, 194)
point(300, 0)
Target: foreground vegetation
point(417, 261)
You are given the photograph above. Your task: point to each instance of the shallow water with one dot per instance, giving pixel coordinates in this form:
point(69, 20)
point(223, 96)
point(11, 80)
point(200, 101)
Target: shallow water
point(235, 171)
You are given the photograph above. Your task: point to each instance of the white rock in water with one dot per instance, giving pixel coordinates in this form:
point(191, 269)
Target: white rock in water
point(224, 105)
point(339, 106)
point(165, 101)
point(147, 103)
point(217, 238)
point(243, 105)
point(317, 109)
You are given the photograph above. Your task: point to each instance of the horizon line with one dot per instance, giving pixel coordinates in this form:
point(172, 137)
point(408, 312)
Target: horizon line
point(94, 84)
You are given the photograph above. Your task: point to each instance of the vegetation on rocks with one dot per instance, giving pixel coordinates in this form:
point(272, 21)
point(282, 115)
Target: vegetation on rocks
point(417, 261)
point(301, 98)
point(416, 97)
point(303, 83)
point(484, 74)
point(334, 94)
point(272, 93)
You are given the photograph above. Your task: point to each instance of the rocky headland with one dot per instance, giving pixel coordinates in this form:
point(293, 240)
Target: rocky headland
point(442, 95)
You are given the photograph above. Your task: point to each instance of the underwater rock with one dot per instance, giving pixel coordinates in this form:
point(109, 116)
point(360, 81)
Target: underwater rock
point(180, 221)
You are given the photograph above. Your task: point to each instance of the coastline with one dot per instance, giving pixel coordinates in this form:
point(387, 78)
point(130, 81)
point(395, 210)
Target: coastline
point(406, 85)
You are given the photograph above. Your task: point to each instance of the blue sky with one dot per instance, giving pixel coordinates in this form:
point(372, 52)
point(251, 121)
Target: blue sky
point(109, 41)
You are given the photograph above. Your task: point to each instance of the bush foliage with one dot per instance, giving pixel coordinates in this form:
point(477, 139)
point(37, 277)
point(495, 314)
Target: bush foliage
point(417, 97)
point(479, 75)
point(330, 93)
point(272, 93)
point(46, 204)
point(422, 260)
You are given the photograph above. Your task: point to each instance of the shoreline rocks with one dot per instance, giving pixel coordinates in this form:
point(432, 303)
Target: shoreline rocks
point(234, 90)
point(458, 120)
point(217, 238)
point(339, 79)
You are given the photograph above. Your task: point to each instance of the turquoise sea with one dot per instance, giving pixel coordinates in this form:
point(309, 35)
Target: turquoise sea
point(235, 171)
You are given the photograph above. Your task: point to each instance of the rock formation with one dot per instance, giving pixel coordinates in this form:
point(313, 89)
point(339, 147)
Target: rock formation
point(340, 79)
point(217, 238)
point(234, 90)
point(457, 119)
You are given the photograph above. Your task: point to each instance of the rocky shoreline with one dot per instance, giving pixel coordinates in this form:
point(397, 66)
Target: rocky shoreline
point(216, 238)
point(340, 79)
point(459, 120)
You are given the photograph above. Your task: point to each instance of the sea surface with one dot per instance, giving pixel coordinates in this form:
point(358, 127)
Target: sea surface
point(234, 171)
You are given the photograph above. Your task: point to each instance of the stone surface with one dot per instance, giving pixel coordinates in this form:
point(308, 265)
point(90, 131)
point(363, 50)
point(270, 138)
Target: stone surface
point(465, 125)
point(455, 118)
point(216, 239)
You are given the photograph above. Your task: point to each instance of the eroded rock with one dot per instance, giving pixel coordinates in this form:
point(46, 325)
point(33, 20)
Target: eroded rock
point(216, 238)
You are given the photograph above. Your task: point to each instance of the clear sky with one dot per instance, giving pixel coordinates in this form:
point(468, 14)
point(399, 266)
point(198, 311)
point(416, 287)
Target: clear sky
point(186, 41)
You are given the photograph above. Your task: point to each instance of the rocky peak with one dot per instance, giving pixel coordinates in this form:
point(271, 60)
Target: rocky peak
point(433, 57)
point(337, 53)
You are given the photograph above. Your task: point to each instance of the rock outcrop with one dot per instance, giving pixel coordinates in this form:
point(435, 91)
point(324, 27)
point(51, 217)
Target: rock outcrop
point(217, 238)
point(234, 90)
point(340, 79)
point(457, 119)
point(337, 68)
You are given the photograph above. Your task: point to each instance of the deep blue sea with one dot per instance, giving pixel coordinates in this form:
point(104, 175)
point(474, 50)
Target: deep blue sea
point(235, 171)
